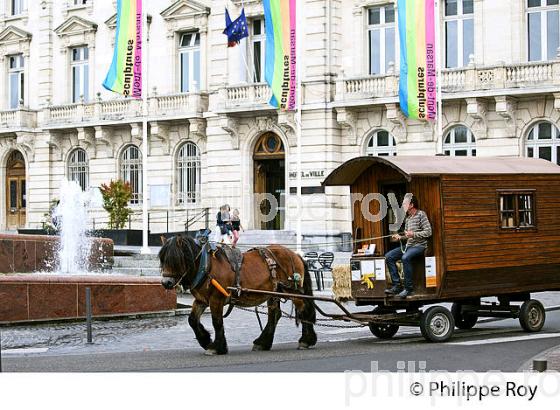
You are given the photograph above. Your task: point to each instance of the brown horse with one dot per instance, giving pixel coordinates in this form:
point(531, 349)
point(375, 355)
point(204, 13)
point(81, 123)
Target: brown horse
point(180, 259)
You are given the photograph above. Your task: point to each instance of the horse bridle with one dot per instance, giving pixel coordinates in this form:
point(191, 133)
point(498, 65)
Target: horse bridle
point(194, 262)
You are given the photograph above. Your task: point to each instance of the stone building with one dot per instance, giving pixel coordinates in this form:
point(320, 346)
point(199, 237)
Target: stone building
point(213, 137)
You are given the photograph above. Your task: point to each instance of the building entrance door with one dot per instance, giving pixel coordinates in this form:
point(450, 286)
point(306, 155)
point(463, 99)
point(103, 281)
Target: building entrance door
point(16, 201)
point(269, 178)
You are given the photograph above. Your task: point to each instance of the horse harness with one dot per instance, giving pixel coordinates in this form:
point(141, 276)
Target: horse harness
point(235, 258)
point(296, 280)
point(270, 260)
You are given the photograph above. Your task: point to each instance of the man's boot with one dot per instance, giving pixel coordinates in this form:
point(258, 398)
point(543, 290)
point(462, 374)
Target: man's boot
point(396, 289)
point(406, 293)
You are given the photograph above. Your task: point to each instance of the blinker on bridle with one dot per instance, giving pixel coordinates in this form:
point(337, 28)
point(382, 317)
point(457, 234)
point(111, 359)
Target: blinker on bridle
point(202, 241)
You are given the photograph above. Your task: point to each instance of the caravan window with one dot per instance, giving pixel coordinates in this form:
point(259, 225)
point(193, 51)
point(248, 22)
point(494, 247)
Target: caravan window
point(517, 209)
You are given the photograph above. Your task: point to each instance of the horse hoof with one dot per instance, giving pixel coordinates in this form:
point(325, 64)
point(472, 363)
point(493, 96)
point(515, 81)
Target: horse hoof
point(210, 352)
point(303, 346)
point(258, 348)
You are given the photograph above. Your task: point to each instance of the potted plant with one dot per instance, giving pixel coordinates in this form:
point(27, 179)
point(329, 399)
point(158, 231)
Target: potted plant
point(116, 197)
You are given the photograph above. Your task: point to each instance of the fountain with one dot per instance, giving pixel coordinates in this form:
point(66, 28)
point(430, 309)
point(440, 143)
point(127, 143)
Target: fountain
point(71, 216)
point(64, 266)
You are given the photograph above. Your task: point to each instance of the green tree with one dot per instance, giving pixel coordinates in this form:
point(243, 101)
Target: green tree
point(116, 197)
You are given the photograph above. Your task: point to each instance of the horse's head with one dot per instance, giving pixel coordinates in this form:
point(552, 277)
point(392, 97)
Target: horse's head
point(177, 261)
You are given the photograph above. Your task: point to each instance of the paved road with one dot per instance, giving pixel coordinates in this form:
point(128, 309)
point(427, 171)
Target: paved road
point(167, 344)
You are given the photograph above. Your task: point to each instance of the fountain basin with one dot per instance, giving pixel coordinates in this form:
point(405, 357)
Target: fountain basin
point(46, 297)
point(38, 253)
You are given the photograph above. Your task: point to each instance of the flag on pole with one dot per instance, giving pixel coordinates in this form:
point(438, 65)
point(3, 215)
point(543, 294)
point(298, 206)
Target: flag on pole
point(417, 85)
point(280, 65)
point(236, 30)
point(125, 74)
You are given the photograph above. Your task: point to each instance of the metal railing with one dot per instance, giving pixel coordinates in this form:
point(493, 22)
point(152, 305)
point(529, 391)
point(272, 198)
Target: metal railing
point(166, 219)
point(191, 220)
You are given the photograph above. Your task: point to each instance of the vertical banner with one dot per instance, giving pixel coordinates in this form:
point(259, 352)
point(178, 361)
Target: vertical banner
point(280, 65)
point(418, 72)
point(125, 74)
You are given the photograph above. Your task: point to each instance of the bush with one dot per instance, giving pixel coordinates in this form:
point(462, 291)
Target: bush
point(116, 197)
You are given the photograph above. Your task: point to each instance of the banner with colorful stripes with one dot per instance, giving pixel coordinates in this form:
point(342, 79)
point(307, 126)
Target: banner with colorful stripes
point(418, 73)
point(125, 74)
point(280, 64)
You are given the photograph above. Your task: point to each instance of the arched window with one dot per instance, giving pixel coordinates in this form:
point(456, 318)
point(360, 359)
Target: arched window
point(459, 142)
point(381, 144)
point(78, 168)
point(543, 141)
point(131, 171)
point(188, 174)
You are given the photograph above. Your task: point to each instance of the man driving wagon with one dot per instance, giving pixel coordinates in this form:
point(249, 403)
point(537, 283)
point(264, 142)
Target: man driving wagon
point(416, 233)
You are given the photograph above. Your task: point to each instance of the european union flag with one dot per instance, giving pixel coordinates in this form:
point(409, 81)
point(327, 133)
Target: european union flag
point(236, 30)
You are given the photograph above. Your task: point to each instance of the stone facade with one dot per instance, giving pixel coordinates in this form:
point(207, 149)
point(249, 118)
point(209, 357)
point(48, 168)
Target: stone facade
point(499, 96)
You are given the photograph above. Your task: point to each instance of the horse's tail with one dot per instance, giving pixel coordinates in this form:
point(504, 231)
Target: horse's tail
point(308, 290)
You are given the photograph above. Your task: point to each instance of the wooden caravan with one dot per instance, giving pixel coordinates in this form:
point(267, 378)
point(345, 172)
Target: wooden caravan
point(496, 232)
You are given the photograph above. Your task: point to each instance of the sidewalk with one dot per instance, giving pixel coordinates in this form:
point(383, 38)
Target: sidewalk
point(552, 357)
point(554, 360)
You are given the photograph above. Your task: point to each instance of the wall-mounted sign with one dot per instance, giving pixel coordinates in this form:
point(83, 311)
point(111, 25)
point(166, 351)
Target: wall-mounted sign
point(160, 196)
point(317, 173)
point(431, 272)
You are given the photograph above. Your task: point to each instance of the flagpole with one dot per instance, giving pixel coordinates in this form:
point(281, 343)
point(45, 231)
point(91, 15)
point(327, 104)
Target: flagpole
point(145, 55)
point(439, 136)
point(299, 44)
point(247, 64)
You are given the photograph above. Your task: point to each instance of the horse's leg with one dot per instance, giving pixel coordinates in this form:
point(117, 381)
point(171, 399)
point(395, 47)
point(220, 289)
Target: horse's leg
point(264, 341)
point(219, 345)
point(200, 332)
point(307, 315)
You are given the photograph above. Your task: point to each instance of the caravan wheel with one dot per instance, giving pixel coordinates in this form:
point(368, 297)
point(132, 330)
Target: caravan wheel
point(463, 321)
point(532, 316)
point(382, 330)
point(437, 324)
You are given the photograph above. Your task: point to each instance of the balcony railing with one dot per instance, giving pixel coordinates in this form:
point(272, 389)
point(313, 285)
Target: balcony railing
point(367, 87)
point(7, 118)
point(491, 79)
point(178, 104)
point(18, 119)
point(245, 95)
point(63, 113)
point(100, 111)
point(453, 80)
point(531, 74)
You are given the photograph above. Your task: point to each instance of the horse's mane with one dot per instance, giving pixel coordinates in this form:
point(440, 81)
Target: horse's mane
point(178, 255)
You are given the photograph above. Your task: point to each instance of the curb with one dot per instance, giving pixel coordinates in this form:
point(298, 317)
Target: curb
point(181, 310)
